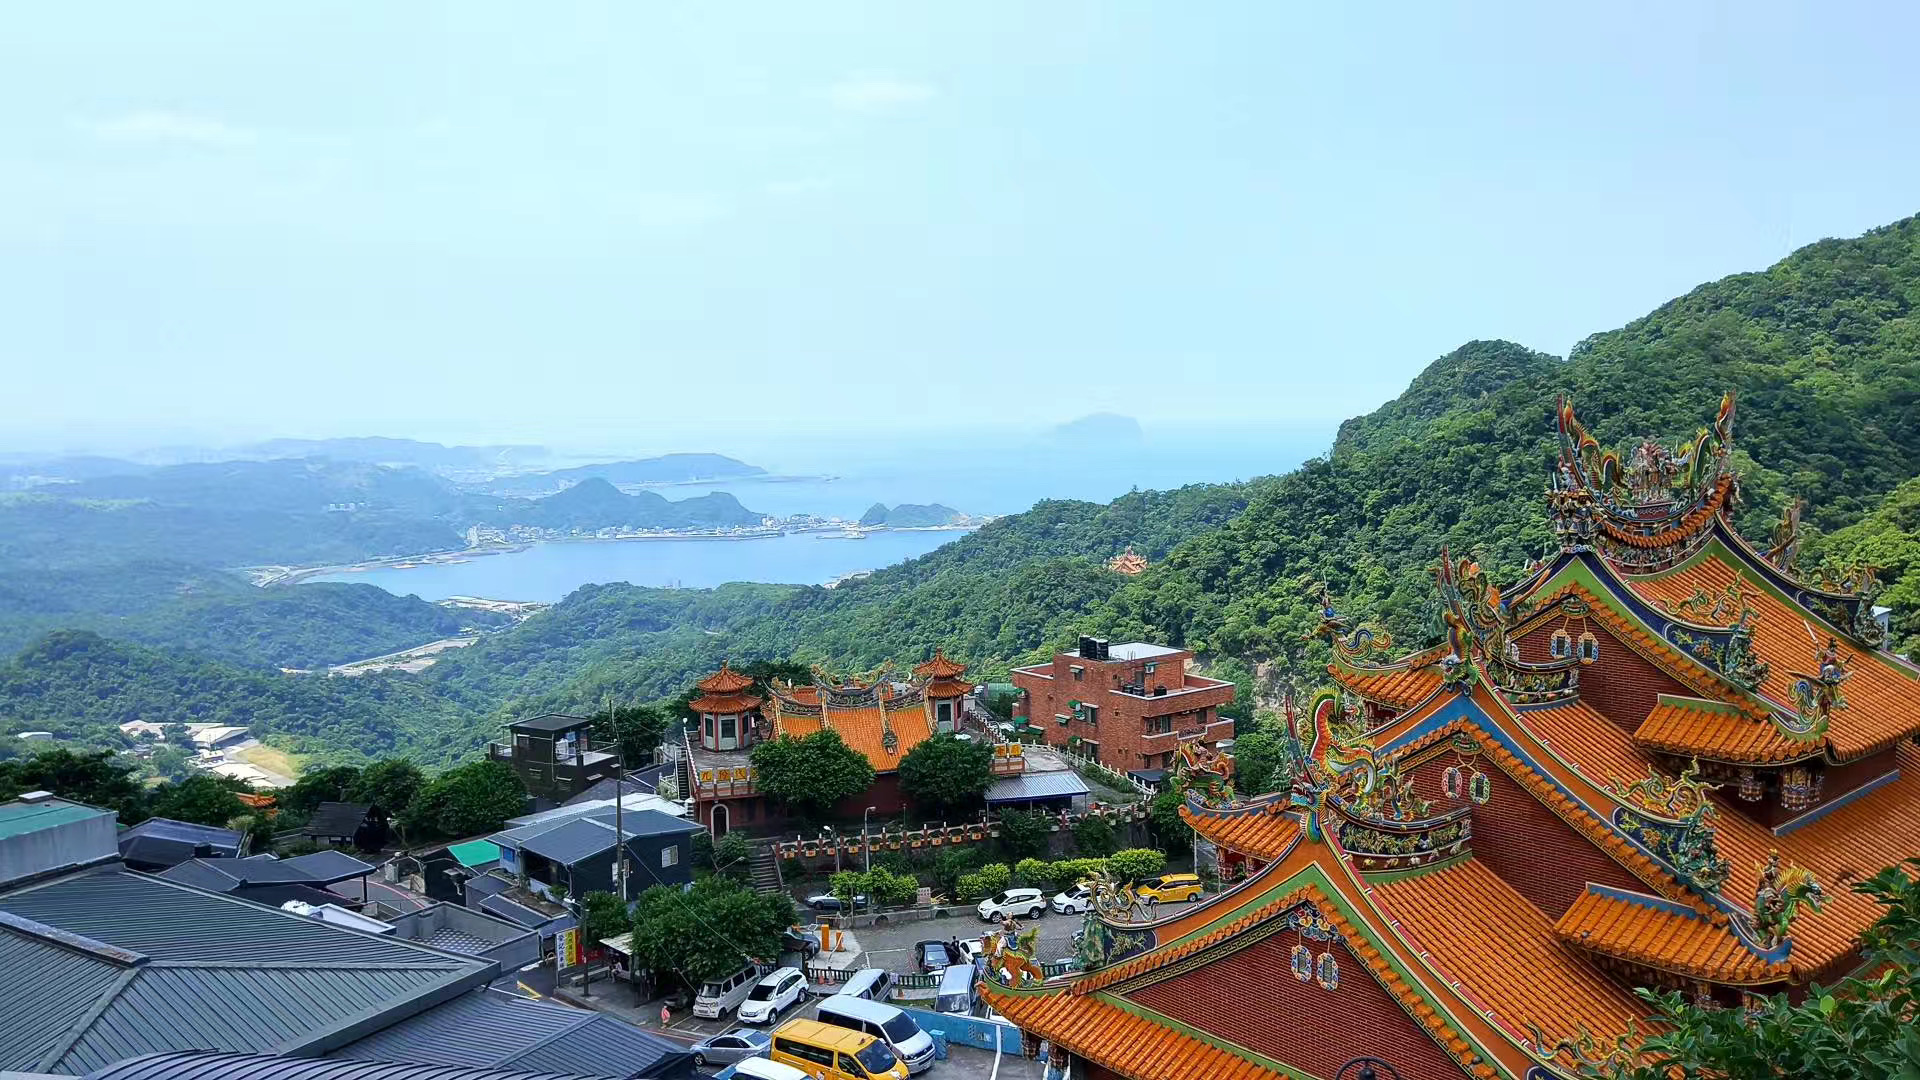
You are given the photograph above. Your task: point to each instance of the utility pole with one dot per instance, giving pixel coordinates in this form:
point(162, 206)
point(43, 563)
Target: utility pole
point(619, 826)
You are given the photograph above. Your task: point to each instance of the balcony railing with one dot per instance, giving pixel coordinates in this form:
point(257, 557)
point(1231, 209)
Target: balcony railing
point(500, 751)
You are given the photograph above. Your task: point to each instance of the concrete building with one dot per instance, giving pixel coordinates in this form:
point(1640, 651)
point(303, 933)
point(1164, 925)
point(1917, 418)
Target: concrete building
point(1126, 706)
point(554, 756)
point(577, 852)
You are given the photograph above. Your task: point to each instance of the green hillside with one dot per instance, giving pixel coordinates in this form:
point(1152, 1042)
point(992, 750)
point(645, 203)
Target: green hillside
point(1822, 350)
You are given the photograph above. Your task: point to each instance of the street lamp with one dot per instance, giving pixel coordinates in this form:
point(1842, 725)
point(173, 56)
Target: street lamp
point(865, 847)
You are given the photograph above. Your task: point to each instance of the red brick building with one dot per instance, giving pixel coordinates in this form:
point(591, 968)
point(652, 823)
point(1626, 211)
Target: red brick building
point(1128, 706)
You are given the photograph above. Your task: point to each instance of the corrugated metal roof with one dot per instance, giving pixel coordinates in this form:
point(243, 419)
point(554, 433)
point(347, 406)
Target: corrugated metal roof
point(18, 818)
point(569, 843)
point(327, 867)
point(205, 1066)
point(171, 967)
point(1060, 784)
point(520, 913)
point(336, 819)
point(475, 853)
point(486, 1029)
point(188, 831)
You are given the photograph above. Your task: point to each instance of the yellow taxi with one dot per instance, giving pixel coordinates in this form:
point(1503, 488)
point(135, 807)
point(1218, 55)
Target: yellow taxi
point(835, 1053)
point(1169, 887)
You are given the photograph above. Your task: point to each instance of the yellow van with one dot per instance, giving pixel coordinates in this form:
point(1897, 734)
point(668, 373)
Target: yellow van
point(835, 1053)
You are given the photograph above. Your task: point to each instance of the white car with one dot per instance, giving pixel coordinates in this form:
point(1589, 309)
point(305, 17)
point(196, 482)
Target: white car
point(1074, 901)
point(781, 988)
point(1014, 903)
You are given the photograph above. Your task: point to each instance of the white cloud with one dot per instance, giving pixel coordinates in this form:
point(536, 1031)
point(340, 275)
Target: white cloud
point(154, 126)
point(879, 94)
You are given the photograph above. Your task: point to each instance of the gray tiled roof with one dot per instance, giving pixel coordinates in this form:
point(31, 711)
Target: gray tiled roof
point(1060, 784)
point(107, 965)
point(335, 819)
point(208, 1066)
point(487, 1029)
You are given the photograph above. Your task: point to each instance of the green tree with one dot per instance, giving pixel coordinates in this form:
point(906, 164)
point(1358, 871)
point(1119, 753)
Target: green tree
point(709, 930)
point(603, 915)
point(1024, 834)
point(169, 762)
point(811, 774)
point(1862, 1029)
point(1136, 864)
point(204, 799)
point(703, 851)
point(390, 784)
point(946, 774)
point(1262, 763)
point(1032, 873)
point(95, 777)
point(733, 857)
point(1169, 829)
point(176, 734)
point(320, 784)
point(1093, 837)
point(950, 864)
point(632, 731)
point(469, 799)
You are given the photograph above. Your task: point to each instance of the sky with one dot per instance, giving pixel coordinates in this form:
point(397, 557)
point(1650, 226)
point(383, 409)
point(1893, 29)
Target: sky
point(691, 226)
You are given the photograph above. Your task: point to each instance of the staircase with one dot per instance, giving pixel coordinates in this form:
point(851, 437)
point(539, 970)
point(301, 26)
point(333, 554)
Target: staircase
point(766, 869)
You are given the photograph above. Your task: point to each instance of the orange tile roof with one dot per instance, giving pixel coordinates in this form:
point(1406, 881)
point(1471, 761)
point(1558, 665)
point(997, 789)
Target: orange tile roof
point(724, 703)
point(1400, 689)
point(724, 681)
point(1702, 514)
point(940, 667)
point(1655, 936)
point(1110, 1036)
point(1263, 836)
point(1161, 957)
point(1882, 697)
point(1846, 844)
point(1502, 953)
point(864, 729)
point(1710, 730)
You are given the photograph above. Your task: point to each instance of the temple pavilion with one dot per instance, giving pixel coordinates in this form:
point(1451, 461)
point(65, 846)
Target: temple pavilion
point(1660, 759)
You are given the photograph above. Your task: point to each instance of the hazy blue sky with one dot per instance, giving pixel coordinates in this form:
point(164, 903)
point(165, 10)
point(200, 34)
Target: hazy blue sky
point(562, 221)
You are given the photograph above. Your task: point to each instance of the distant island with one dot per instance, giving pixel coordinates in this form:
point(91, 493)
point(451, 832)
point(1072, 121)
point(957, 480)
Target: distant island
point(666, 469)
point(380, 450)
point(594, 504)
point(912, 516)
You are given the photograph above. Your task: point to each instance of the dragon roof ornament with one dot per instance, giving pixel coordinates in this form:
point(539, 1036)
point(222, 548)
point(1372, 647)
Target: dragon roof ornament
point(1647, 510)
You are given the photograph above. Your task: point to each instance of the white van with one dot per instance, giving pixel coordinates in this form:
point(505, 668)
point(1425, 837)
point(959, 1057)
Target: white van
point(716, 996)
point(955, 994)
point(759, 1068)
point(883, 1022)
point(869, 983)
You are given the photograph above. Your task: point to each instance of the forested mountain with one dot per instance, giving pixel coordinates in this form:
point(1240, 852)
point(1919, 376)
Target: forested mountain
point(594, 504)
point(1822, 350)
point(910, 515)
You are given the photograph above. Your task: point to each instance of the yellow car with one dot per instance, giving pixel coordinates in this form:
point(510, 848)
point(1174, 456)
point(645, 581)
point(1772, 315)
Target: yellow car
point(1169, 887)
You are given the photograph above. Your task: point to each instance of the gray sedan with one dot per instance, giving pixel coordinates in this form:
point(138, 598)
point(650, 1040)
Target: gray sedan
point(731, 1047)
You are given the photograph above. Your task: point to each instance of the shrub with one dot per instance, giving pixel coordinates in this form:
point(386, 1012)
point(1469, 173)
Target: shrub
point(997, 876)
point(970, 887)
point(1032, 872)
point(1093, 837)
point(1066, 873)
point(1135, 864)
point(950, 864)
point(1024, 833)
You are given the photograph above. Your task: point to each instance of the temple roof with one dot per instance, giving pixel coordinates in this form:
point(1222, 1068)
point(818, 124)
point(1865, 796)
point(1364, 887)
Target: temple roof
point(1689, 727)
point(862, 727)
point(1658, 933)
point(724, 681)
point(1128, 562)
point(1882, 694)
point(940, 667)
point(1398, 688)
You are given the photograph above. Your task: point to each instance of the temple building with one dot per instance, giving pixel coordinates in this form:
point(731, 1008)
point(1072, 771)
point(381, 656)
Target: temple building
point(1128, 563)
point(1660, 759)
point(1129, 707)
point(880, 717)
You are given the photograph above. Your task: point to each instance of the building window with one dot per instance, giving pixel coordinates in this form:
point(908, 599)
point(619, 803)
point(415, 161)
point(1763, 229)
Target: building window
point(670, 856)
point(1561, 646)
point(1589, 648)
point(1152, 667)
point(1090, 713)
point(1159, 725)
point(1079, 674)
point(1062, 719)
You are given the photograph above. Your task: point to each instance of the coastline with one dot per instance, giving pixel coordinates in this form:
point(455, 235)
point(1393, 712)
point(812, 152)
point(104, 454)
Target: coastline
point(270, 576)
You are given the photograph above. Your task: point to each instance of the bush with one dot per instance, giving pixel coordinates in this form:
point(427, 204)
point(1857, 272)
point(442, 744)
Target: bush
point(971, 887)
point(1032, 872)
point(1135, 864)
point(733, 857)
point(950, 864)
point(702, 850)
point(1093, 837)
point(984, 882)
point(1023, 834)
point(1066, 873)
point(882, 887)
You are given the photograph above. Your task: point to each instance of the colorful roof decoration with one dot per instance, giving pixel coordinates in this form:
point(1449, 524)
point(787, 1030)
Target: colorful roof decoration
point(723, 693)
point(878, 718)
point(1661, 757)
point(943, 677)
point(1128, 563)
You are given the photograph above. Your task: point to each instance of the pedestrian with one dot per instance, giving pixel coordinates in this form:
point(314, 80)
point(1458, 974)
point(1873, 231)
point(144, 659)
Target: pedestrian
point(666, 1016)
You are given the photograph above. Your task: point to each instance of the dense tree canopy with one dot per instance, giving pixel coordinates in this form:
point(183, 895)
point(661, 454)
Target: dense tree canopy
point(810, 774)
point(710, 930)
point(467, 800)
point(945, 774)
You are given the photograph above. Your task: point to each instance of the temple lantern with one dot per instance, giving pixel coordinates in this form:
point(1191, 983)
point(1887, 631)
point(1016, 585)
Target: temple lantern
point(725, 710)
point(944, 691)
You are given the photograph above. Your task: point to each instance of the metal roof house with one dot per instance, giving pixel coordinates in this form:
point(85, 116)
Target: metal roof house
point(577, 852)
point(268, 880)
point(359, 824)
point(202, 1065)
point(160, 843)
point(495, 1030)
point(41, 833)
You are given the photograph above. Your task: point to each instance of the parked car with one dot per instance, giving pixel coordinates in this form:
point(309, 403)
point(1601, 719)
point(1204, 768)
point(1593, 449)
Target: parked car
point(731, 1047)
point(716, 996)
point(794, 941)
point(829, 902)
point(1170, 887)
point(1074, 901)
point(930, 956)
point(1014, 903)
point(779, 989)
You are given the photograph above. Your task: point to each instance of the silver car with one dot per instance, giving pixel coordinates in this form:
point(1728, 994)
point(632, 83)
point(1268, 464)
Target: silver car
point(731, 1047)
